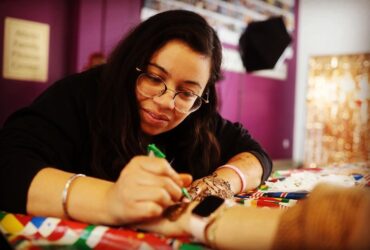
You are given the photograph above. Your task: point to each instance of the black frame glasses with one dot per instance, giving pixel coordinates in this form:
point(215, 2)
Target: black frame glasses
point(182, 96)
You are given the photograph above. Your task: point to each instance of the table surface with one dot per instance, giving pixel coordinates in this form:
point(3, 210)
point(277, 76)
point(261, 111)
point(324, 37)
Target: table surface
point(33, 232)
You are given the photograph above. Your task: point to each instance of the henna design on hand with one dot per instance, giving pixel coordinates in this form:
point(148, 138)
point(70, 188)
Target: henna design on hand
point(210, 185)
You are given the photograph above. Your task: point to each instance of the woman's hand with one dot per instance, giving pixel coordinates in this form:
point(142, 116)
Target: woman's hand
point(210, 185)
point(145, 187)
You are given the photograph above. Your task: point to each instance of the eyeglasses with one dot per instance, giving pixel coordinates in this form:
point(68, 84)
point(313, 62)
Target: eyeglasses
point(151, 85)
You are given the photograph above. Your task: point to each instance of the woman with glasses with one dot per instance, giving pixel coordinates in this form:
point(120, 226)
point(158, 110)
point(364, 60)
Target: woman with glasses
point(80, 149)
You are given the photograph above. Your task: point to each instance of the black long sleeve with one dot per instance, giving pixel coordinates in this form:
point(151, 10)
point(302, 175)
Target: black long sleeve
point(52, 131)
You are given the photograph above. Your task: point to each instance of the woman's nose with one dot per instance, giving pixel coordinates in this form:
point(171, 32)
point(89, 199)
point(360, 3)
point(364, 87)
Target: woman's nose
point(166, 100)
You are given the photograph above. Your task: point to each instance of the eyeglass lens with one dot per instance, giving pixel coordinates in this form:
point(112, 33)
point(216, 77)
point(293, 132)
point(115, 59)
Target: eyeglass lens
point(151, 86)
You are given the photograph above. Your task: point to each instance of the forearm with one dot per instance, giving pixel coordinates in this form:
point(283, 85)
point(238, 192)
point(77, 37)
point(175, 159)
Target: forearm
point(242, 227)
point(237, 227)
point(86, 197)
point(250, 167)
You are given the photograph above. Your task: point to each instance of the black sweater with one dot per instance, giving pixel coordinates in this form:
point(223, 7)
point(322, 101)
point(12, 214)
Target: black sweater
point(55, 131)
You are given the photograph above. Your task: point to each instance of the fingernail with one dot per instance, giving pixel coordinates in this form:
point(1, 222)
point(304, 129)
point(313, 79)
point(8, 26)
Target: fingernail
point(184, 199)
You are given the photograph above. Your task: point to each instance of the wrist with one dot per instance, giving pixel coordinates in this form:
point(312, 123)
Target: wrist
point(235, 177)
point(90, 201)
point(66, 193)
point(211, 229)
point(204, 214)
point(110, 213)
point(229, 176)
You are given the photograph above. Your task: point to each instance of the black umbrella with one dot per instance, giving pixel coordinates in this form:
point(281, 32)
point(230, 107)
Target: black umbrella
point(262, 43)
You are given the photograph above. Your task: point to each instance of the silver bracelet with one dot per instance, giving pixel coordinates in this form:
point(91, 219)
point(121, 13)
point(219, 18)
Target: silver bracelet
point(66, 192)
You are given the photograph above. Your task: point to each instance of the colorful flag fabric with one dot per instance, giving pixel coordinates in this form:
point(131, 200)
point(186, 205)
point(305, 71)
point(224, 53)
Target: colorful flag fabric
point(27, 232)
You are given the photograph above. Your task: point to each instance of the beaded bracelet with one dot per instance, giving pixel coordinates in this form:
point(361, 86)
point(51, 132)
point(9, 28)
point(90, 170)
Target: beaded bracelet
point(239, 173)
point(66, 192)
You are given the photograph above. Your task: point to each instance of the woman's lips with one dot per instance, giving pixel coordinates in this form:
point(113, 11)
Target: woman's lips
point(158, 116)
point(157, 119)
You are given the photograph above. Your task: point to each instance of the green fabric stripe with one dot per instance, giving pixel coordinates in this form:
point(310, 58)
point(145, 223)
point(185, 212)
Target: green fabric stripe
point(187, 246)
point(2, 215)
point(81, 242)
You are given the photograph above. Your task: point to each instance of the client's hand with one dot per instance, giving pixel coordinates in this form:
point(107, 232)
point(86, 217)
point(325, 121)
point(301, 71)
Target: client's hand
point(210, 185)
point(174, 221)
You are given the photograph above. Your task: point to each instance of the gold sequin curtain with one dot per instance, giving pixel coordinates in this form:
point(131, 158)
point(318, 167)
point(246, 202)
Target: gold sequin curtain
point(338, 98)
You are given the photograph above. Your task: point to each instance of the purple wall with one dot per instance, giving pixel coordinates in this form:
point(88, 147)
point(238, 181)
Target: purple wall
point(264, 106)
point(101, 24)
point(81, 27)
point(77, 29)
point(16, 94)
